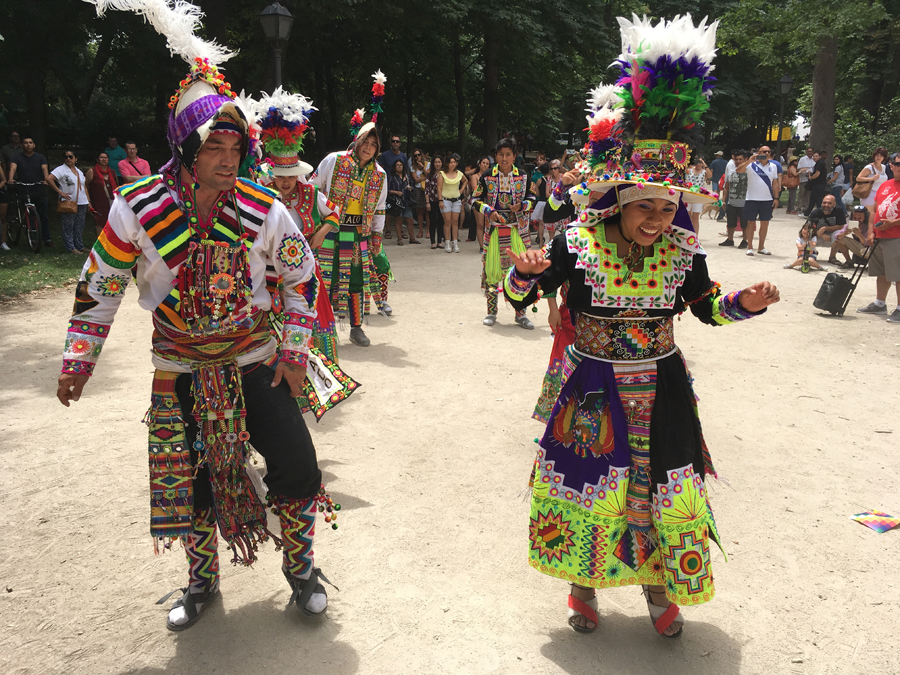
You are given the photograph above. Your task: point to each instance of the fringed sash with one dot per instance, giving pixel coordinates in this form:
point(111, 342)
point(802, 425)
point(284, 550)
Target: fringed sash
point(340, 251)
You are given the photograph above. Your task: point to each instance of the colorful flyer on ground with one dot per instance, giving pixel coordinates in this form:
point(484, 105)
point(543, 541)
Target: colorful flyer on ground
point(876, 520)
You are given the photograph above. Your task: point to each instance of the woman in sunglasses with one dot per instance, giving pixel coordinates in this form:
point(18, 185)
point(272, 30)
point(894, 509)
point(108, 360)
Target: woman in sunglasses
point(418, 172)
point(69, 183)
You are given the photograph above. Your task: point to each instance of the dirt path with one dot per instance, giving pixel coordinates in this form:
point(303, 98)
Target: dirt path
point(429, 460)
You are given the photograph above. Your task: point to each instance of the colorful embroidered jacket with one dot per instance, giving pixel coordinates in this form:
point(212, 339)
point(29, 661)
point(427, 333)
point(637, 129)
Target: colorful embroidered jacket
point(674, 278)
point(334, 177)
point(312, 208)
point(496, 192)
point(148, 227)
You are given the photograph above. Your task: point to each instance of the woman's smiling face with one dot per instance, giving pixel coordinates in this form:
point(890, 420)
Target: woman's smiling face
point(645, 220)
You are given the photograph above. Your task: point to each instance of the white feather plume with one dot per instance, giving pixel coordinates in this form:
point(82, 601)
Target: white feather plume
point(675, 37)
point(603, 95)
point(293, 107)
point(177, 21)
point(379, 77)
point(249, 106)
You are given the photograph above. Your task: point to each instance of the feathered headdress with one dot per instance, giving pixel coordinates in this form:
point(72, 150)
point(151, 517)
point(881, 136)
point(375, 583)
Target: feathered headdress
point(283, 122)
point(358, 120)
point(603, 144)
point(204, 101)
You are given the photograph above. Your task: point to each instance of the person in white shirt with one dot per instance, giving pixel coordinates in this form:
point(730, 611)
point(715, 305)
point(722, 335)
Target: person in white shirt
point(805, 166)
point(763, 183)
point(69, 183)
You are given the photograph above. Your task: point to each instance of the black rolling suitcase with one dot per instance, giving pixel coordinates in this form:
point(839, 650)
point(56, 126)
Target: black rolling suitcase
point(835, 293)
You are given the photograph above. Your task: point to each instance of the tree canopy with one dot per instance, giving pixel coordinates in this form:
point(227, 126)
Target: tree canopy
point(460, 73)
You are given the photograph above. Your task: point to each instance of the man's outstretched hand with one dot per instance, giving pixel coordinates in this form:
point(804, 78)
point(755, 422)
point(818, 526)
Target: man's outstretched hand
point(69, 387)
point(530, 262)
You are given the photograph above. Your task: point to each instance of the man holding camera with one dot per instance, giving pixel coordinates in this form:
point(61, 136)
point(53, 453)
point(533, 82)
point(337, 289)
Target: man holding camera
point(763, 186)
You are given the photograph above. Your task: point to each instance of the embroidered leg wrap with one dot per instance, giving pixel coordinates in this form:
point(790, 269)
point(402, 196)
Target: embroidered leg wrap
point(201, 547)
point(356, 309)
point(383, 284)
point(298, 526)
point(492, 303)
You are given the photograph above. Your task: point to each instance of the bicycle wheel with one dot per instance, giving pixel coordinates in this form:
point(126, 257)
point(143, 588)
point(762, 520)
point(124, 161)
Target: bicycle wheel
point(33, 229)
point(14, 222)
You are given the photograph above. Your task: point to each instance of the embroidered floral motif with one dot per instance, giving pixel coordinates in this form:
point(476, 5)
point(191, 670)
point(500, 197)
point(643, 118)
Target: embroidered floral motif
point(292, 252)
point(112, 285)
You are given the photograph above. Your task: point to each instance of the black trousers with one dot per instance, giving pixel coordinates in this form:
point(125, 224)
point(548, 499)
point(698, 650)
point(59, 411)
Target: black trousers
point(436, 223)
point(276, 429)
point(816, 193)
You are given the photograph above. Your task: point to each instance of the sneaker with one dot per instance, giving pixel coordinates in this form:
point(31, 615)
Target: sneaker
point(743, 244)
point(455, 246)
point(490, 320)
point(4, 247)
point(386, 309)
point(727, 242)
point(358, 337)
point(750, 252)
point(872, 308)
point(447, 247)
point(764, 251)
point(524, 322)
point(895, 316)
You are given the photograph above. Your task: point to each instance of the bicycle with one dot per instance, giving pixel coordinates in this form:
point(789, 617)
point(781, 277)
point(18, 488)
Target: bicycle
point(23, 215)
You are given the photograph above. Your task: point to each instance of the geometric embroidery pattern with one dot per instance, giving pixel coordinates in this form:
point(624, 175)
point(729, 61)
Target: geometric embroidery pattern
point(292, 252)
point(688, 561)
point(631, 339)
point(551, 536)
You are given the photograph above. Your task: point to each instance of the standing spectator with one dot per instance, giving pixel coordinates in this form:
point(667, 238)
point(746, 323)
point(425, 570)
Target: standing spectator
point(133, 168)
point(398, 210)
point(388, 157)
point(10, 150)
point(836, 182)
point(790, 181)
point(699, 175)
point(763, 185)
point(71, 186)
point(483, 166)
point(31, 167)
point(116, 153)
point(101, 189)
point(817, 182)
point(884, 263)
point(734, 197)
point(540, 183)
point(874, 173)
point(848, 181)
point(450, 200)
point(435, 217)
point(805, 168)
point(3, 245)
point(418, 169)
point(718, 166)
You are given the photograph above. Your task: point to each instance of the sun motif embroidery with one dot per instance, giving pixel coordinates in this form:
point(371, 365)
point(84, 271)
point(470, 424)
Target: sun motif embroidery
point(688, 562)
point(80, 347)
point(112, 285)
point(551, 536)
point(292, 252)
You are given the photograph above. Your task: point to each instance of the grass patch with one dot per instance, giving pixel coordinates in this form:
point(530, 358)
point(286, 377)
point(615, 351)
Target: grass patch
point(22, 271)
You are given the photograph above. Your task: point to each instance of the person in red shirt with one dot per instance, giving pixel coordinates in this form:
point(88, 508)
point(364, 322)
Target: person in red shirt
point(885, 261)
point(133, 168)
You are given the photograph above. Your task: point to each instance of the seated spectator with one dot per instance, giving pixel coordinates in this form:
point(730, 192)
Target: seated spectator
point(806, 246)
point(851, 239)
point(133, 168)
point(828, 219)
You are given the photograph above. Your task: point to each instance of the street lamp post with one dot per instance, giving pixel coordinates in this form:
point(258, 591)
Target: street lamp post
point(276, 22)
point(784, 88)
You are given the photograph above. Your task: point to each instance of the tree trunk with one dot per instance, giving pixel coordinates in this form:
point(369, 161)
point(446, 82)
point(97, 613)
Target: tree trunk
point(323, 133)
point(36, 103)
point(821, 134)
point(491, 86)
point(460, 99)
point(332, 106)
point(410, 128)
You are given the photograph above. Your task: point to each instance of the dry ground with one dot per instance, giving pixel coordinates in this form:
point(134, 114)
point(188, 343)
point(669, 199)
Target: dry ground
point(429, 460)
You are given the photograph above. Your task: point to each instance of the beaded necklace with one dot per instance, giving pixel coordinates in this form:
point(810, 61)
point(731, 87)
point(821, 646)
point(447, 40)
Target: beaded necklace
point(635, 255)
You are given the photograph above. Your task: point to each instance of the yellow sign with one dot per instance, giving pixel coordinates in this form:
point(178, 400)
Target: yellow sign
point(786, 134)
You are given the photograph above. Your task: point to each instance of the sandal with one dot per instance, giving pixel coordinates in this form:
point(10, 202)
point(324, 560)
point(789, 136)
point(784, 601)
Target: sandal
point(189, 601)
point(304, 589)
point(663, 617)
point(585, 608)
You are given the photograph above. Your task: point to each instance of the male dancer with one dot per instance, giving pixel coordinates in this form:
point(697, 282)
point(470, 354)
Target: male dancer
point(506, 197)
point(201, 239)
point(357, 185)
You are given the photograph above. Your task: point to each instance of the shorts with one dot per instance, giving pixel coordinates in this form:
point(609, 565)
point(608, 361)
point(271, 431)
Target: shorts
point(758, 211)
point(538, 213)
point(407, 212)
point(734, 216)
point(885, 260)
point(453, 205)
point(694, 208)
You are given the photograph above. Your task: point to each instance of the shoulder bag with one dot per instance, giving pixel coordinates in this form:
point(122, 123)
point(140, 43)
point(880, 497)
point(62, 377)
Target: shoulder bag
point(70, 205)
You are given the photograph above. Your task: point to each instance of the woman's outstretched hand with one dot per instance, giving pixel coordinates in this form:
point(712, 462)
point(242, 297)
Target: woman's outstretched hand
point(530, 262)
point(757, 297)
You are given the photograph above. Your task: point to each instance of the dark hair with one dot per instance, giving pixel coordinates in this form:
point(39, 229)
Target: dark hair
point(433, 170)
point(421, 154)
point(70, 151)
point(811, 229)
point(839, 158)
point(544, 168)
point(848, 158)
point(27, 137)
point(402, 166)
point(397, 136)
point(822, 153)
point(456, 157)
point(742, 153)
point(878, 151)
point(506, 143)
point(130, 143)
point(103, 152)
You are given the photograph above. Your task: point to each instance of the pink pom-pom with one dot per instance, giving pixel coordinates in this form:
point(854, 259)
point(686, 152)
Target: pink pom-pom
point(671, 191)
point(640, 186)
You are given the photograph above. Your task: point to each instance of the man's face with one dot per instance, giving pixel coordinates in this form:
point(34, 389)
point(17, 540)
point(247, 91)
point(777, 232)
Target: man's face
point(739, 158)
point(764, 153)
point(217, 162)
point(810, 153)
point(815, 156)
point(828, 203)
point(14, 138)
point(395, 144)
point(113, 142)
point(367, 148)
point(131, 150)
point(505, 159)
point(28, 145)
